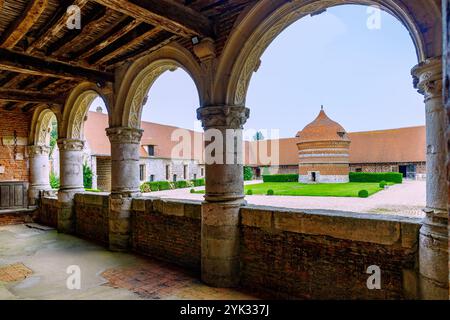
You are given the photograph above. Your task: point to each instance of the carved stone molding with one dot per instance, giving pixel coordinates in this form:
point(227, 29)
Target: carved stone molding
point(428, 78)
point(124, 135)
point(70, 145)
point(228, 117)
point(38, 150)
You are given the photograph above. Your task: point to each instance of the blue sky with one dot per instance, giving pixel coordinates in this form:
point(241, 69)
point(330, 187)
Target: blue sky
point(361, 76)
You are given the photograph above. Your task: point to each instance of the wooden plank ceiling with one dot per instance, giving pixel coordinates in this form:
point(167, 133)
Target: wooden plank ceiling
point(41, 59)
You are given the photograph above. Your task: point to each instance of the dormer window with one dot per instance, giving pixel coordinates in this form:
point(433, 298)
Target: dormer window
point(341, 133)
point(151, 150)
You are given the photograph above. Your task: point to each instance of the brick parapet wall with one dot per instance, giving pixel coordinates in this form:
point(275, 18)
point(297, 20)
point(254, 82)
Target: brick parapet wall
point(91, 219)
point(48, 211)
point(168, 230)
point(312, 255)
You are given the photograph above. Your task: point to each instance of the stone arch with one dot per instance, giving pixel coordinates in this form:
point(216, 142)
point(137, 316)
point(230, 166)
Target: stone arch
point(42, 119)
point(140, 77)
point(76, 108)
point(257, 28)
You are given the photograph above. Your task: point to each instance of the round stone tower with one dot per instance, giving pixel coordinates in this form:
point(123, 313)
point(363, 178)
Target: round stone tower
point(323, 150)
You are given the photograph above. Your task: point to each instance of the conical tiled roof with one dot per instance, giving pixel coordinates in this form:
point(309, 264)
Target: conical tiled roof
point(323, 129)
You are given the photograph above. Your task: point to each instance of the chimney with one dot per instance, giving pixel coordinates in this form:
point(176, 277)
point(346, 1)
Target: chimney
point(99, 109)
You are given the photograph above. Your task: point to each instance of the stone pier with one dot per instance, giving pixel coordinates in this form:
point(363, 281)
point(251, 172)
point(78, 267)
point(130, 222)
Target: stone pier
point(125, 144)
point(39, 172)
point(224, 194)
point(71, 176)
point(433, 253)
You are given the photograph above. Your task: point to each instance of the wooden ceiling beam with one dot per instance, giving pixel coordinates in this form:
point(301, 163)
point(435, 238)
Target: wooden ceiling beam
point(54, 25)
point(114, 51)
point(166, 14)
point(19, 28)
point(13, 95)
point(22, 63)
point(154, 44)
point(117, 32)
point(77, 36)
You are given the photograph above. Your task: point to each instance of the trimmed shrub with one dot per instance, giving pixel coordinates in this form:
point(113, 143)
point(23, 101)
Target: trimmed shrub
point(383, 184)
point(164, 185)
point(280, 178)
point(181, 184)
point(270, 192)
point(363, 194)
point(249, 192)
point(394, 177)
point(248, 173)
point(198, 182)
point(192, 191)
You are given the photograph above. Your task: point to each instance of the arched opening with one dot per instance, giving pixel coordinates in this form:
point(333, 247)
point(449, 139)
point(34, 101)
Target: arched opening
point(357, 63)
point(83, 135)
point(43, 154)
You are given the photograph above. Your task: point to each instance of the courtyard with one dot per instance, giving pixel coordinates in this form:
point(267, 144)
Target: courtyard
point(406, 199)
point(34, 262)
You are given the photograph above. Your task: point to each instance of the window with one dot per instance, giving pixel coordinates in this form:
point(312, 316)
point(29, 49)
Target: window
point(185, 172)
point(142, 172)
point(174, 178)
point(195, 176)
point(167, 172)
point(152, 177)
point(151, 150)
point(358, 169)
point(202, 172)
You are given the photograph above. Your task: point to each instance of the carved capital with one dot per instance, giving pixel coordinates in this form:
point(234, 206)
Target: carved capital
point(124, 135)
point(38, 150)
point(70, 145)
point(427, 77)
point(226, 117)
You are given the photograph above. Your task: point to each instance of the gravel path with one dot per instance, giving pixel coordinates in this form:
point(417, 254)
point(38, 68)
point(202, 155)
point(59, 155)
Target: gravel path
point(407, 199)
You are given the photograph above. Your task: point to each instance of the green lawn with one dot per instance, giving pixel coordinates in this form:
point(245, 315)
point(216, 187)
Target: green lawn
point(320, 190)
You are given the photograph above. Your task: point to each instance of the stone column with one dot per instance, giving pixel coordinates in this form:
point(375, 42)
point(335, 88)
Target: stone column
point(224, 195)
point(71, 179)
point(39, 172)
point(433, 250)
point(125, 183)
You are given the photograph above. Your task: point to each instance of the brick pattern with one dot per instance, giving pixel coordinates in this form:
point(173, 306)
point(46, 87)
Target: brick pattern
point(91, 220)
point(15, 218)
point(167, 230)
point(294, 256)
point(48, 212)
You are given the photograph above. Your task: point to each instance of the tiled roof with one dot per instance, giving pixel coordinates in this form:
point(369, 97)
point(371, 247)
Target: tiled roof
point(382, 146)
point(322, 129)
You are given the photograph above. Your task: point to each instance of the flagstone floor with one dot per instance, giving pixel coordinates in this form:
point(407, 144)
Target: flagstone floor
point(39, 264)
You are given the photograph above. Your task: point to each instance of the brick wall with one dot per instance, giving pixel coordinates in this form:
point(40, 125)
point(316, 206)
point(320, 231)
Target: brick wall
point(91, 220)
point(168, 230)
point(15, 218)
point(291, 254)
point(15, 170)
point(48, 212)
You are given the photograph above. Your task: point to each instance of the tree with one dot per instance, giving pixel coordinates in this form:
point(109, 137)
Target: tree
point(258, 136)
point(87, 176)
point(248, 173)
point(53, 137)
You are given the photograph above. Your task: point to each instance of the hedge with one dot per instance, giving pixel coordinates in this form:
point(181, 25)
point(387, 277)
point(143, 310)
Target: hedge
point(147, 187)
point(394, 177)
point(363, 194)
point(280, 178)
point(248, 173)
